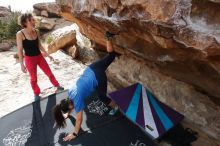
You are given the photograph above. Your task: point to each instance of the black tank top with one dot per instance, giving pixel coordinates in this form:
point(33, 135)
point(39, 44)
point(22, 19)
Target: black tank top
point(31, 47)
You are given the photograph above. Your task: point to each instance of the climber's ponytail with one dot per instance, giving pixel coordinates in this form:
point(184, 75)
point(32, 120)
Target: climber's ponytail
point(59, 110)
point(58, 116)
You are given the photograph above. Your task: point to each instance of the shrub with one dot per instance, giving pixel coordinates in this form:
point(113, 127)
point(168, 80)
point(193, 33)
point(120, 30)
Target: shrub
point(9, 28)
point(3, 26)
point(13, 26)
point(49, 39)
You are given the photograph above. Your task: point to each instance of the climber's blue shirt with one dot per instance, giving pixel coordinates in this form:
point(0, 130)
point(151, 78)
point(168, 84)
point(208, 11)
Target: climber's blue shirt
point(82, 89)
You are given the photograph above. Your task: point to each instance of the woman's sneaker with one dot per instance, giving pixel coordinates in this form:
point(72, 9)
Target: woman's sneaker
point(59, 89)
point(113, 111)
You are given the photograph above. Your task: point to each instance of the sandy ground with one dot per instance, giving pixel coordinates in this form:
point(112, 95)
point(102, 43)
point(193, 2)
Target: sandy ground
point(15, 89)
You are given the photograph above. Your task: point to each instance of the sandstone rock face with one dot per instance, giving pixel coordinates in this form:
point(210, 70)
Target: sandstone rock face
point(44, 13)
point(51, 8)
point(45, 23)
point(84, 55)
point(88, 55)
point(178, 42)
point(128, 69)
point(5, 46)
point(5, 14)
point(180, 37)
point(73, 42)
point(73, 51)
point(62, 39)
point(36, 12)
point(215, 1)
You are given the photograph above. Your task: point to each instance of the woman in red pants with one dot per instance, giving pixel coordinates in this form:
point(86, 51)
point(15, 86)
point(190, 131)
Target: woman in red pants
point(28, 40)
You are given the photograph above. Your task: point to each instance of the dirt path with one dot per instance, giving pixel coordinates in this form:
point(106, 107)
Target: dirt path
point(15, 90)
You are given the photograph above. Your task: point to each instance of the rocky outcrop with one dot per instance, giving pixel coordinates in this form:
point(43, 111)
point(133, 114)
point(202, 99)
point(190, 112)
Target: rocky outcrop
point(215, 1)
point(73, 51)
point(4, 46)
point(5, 13)
point(44, 13)
point(196, 107)
point(49, 9)
point(172, 47)
point(62, 39)
point(45, 23)
point(68, 38)
point(179, 41)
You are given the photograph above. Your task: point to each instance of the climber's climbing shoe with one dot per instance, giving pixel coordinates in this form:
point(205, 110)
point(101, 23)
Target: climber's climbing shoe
point(109, 35)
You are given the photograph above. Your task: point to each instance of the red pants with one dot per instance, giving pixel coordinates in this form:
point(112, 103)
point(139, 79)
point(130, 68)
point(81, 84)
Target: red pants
point(31, 63)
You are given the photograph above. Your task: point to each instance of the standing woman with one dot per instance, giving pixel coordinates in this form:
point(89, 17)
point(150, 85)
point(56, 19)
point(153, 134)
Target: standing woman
point(28, 41)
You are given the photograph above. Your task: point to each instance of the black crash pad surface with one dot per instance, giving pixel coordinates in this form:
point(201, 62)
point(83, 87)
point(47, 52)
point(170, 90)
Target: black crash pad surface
point(33, 125)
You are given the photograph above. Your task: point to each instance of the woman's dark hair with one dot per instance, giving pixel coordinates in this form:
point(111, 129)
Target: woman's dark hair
point(58, 110)
point(24, 18)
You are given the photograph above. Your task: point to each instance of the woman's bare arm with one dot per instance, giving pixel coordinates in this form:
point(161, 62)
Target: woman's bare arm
point(42, 48)
point(79, 119)
point(19, 46)
point(19, 40)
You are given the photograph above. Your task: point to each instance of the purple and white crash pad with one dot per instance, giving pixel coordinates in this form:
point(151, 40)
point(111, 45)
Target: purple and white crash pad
point(145, 110)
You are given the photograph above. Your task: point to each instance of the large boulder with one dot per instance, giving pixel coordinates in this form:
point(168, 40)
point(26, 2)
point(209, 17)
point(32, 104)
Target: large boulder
point(180, 40)
point(215, 1)
point(181, 37)
point(73, 51)
point(87, 55)
point(5, 13)
point(44, 13)
point(45, 23)
point(62, 38)
point(71, 41)
point(4, 46)
point(51, 8)
point(198, 109)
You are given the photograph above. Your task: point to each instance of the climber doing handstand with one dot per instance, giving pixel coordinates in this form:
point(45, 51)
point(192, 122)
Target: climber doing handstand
point(93, 78)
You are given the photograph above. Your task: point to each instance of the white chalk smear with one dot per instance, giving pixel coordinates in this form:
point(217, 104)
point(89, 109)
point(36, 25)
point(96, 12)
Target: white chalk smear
point(19, 135)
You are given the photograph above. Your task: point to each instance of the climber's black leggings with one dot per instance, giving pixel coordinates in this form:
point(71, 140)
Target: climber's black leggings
point(99, 67)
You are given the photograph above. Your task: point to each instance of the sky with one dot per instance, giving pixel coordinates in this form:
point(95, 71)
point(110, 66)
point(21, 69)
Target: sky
point(22, 5)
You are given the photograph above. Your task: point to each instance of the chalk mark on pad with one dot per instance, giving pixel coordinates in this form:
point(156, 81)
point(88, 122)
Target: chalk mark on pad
point(137, 143)
point(19, 135)
point(97, 107)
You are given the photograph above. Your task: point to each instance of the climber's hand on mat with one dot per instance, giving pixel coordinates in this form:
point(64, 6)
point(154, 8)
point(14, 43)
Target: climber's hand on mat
point(23, 68)
point(69, 137)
